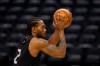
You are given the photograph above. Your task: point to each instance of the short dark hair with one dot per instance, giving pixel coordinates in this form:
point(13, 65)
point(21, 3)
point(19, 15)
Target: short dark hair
point(33, 22)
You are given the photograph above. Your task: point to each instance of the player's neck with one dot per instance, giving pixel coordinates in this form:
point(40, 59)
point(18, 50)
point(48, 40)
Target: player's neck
point(34, 34)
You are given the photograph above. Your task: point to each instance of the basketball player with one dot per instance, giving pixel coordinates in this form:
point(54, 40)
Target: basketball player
point(29, 51)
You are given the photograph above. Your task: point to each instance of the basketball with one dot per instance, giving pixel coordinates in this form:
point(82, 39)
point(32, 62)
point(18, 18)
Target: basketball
point(64, 15)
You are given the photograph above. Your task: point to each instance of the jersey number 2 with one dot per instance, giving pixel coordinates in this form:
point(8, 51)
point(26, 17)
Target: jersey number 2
point(19, 53)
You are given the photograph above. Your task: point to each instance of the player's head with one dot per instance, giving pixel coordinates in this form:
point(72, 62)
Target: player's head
point(36, 27)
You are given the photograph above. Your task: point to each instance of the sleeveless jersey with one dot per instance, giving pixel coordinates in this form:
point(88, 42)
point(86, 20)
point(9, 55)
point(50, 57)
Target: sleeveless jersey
point(23, 57)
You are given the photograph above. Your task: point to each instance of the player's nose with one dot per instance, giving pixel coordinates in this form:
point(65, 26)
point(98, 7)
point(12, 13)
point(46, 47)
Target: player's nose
point(45, 30)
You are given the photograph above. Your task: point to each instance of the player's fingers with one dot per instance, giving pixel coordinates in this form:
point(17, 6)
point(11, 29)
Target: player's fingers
point(57, 16)
point(55, 20)
point(54, 24)
point(60, 16)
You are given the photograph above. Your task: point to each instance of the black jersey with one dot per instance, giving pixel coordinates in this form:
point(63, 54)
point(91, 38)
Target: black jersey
point(23, 57)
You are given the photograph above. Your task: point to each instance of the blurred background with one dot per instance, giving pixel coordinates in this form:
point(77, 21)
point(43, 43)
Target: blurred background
point(82, 36)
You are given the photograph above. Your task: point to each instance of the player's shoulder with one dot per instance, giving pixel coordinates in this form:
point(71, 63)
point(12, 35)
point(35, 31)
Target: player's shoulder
point(39, 42)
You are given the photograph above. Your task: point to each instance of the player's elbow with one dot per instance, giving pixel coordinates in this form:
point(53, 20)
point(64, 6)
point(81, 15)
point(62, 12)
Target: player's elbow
point(62, 55)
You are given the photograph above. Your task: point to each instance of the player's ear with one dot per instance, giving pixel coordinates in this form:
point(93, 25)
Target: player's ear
point(34, 30)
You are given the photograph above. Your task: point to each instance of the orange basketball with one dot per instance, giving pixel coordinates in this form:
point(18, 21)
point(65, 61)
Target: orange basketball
point(64, 15)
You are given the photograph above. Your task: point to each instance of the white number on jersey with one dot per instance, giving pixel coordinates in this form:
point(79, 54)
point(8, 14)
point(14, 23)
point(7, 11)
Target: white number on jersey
point(19, 53)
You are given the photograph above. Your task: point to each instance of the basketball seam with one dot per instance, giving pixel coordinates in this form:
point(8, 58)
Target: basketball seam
point(65, 13)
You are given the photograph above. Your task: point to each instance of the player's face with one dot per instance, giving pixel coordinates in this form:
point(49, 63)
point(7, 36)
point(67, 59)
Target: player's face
point(41, 31)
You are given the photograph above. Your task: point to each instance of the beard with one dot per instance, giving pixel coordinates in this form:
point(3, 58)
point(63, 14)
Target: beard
point(39, 35)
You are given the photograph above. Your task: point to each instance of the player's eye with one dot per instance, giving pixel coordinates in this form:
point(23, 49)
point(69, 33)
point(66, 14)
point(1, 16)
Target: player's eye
point(43, 26)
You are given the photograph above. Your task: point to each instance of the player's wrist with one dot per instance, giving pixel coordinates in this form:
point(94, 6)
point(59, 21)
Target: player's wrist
point(61, 30)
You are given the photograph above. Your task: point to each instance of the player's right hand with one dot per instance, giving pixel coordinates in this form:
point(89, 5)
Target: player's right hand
point(58, 24)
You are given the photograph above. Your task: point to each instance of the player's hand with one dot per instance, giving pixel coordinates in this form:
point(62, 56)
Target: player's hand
point(58, 22)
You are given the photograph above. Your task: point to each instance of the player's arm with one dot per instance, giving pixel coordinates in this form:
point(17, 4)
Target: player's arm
point(52, 50)
point(54, 37)
point(55, 51)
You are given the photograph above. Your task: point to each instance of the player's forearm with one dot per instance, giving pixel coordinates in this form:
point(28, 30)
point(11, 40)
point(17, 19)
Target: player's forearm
point(54, 37)
point(62, 43)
